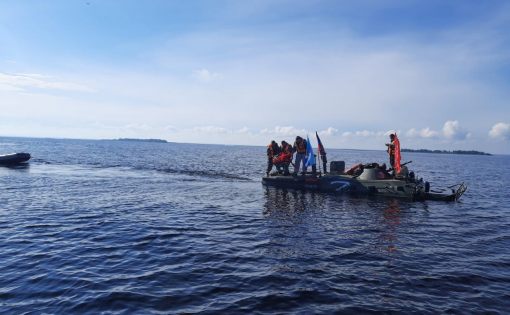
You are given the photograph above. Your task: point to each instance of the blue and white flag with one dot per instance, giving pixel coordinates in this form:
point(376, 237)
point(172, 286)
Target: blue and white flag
point(310, 157)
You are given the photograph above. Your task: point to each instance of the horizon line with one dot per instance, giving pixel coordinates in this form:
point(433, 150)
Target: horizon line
point(224, 144)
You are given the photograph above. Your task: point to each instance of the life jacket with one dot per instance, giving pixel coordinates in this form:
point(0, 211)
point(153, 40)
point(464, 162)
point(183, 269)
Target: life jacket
point(354, 169)
point(391, 149)
point(301, 147)
point(284, 157)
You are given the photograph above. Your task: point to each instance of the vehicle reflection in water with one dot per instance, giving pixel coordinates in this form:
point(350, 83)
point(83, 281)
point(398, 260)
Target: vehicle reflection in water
point(285, 207)
point(391, 221)
point(296, 227)
point(300, 218)
point(285, 202)
point(311, 234)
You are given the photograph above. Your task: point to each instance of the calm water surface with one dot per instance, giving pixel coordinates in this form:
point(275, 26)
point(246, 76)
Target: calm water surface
point(122, 227)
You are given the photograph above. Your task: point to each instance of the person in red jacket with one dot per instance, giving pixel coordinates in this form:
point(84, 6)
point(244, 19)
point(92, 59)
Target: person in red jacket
point(283, 160)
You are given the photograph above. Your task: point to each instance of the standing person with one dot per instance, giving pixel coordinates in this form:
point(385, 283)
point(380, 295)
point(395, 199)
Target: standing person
point(300, 149)
point(394, 152)
point(391, 150)
point(272, 151)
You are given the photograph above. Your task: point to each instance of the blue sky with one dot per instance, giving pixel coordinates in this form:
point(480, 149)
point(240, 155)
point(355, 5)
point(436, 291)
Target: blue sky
point(235, 72)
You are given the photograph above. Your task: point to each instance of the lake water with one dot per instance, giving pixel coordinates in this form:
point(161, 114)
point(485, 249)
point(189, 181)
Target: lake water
point(138, 227)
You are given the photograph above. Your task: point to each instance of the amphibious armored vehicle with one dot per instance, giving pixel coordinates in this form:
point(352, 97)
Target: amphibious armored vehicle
point(368, 179)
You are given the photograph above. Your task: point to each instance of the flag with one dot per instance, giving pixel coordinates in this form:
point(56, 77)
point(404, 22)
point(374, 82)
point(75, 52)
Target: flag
point(396, 142)
point(319, 145)
point(310, 157)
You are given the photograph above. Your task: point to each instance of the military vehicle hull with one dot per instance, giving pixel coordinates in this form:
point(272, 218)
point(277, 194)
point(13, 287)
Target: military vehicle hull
point(349, 184)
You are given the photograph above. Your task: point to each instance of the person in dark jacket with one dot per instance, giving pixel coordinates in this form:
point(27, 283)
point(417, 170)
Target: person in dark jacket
point(272, 150)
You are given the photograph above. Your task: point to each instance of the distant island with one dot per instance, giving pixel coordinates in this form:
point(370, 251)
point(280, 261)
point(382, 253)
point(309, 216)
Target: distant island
point(142, 140)
point(470, 152)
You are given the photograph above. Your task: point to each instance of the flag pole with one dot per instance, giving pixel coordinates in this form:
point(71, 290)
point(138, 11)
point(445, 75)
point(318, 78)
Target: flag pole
point(318, 152)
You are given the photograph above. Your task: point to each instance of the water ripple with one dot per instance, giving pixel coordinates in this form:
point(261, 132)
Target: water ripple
point(108, 227)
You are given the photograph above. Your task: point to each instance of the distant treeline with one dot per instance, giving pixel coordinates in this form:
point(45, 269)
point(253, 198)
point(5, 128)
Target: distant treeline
point(471, 152)
point(142, 140)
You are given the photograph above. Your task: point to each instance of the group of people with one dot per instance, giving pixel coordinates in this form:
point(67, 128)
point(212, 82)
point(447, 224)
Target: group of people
point(281, 157)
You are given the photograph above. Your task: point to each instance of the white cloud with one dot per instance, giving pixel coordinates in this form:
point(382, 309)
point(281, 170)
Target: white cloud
point(367, 133)
point(211, 129)
point(500, 130)
point(330, 131)
point(284, 131)
point(426, 133)
point(23, 81)
point(453, 131)
point(346, 134)
point(205, 75)
point(243, 130)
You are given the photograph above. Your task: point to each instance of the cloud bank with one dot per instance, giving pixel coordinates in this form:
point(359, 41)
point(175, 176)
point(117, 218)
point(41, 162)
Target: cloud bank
point(243, 73)
point(451, 131)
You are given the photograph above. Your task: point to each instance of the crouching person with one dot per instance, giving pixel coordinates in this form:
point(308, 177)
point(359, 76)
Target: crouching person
point(283, 160)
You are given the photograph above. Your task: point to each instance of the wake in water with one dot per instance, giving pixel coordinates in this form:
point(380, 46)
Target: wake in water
point(213, 174)
point(204, 173)
point(40, 161)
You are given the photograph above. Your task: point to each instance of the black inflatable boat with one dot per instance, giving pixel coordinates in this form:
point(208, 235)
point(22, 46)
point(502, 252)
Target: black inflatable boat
point(14, 158)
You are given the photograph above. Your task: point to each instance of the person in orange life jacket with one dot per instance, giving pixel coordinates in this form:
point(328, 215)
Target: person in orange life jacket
point(272, 150)
point(284, 158)
point(391, 150)
point(300, 149)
